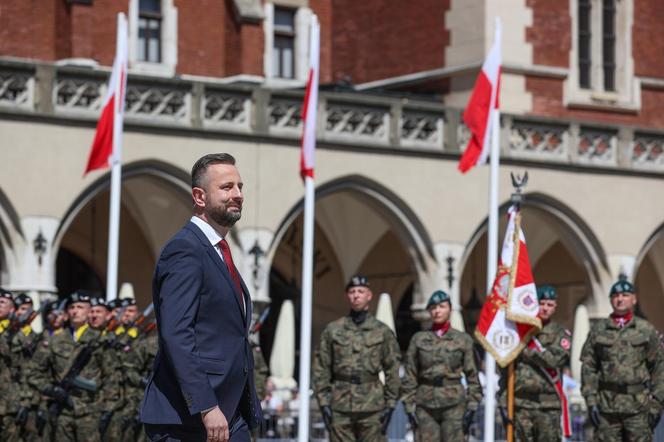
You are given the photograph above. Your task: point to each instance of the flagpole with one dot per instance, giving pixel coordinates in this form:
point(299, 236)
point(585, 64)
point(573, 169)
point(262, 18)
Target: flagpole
point(492, 265)
point(116, 170)
point(305, 327)
point(308, 146)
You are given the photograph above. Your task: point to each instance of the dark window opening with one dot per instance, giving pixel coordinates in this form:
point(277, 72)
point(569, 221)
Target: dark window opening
point(283, 56)
point(609, 44)
point(584, 44)
point(149, 31)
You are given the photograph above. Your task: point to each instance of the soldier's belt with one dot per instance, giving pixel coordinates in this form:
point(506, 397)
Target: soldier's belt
point(537, 397)
point(438, 381)
point(356, 379)
point(622, 388)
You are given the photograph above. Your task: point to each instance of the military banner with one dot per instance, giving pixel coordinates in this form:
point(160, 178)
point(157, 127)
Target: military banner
point(509, 316)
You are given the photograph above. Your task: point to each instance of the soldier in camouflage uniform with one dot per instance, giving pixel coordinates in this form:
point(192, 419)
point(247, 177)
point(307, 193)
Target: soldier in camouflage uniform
point(439, 407)
point(8, 388)
point(537, 406)
point(261, 371)
point(623, 372)
point(353, 351)
point(138, 369)
point(23, 344)
point(85, 403)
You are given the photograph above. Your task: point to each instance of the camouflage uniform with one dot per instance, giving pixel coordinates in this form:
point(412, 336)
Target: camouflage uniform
point(81, 421)
point(261, 371)
point(345, 376)
point(623, 374)
point(137, 369)
point(432, 385)
point(22, 347)
point(8, 388)
point(537, 407)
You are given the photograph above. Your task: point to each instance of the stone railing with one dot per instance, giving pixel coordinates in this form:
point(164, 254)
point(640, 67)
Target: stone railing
point(349, 119)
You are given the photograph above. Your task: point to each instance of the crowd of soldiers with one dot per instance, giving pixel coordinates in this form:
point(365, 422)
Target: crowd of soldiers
point(82, 378)
point(622, 374)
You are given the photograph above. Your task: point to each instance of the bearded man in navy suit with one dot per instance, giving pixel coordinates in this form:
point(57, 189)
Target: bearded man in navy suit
point(202, 386)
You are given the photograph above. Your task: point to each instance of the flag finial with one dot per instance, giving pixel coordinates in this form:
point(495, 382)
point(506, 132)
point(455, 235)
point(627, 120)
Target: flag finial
point(518, 182)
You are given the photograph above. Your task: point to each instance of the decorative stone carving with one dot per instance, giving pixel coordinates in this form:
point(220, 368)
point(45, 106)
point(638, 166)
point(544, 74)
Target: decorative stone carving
point(16, 88)
point(346, 120)
point(463, 136)
point(420, 129)
point(222, 108)
point(80, 94)
point(161, 103)
point(543, 140)
point(596, 145)
point(648, 150)
point(285, 114)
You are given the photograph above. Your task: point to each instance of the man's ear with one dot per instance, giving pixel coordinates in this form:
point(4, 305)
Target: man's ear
point(199, 196)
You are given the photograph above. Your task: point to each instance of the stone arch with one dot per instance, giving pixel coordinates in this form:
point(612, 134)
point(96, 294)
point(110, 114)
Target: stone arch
point(648, 275)
point(555, 233)
point(395, 232)
point(154, 205)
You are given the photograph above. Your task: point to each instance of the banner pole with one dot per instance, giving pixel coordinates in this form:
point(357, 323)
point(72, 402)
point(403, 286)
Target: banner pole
point(510, 402)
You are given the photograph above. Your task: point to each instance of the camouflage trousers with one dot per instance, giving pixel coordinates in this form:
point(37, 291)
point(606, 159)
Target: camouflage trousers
point(537, 425)
point(440, 424)
point(8, 429)
point(77, 429)
point(360, 427)
point(122, 429)
point(622, 427)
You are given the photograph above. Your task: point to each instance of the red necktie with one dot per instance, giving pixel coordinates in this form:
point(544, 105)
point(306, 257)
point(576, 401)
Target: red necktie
point(228, 259)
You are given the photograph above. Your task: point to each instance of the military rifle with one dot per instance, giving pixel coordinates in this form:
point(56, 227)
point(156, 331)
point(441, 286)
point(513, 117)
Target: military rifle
point(72, 379)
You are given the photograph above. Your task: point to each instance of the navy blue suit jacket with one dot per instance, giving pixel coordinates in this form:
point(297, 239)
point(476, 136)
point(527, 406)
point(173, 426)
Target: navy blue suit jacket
point(204, 356)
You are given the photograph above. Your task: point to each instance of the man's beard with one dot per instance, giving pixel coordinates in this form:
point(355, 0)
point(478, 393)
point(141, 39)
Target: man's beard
point(223, 217)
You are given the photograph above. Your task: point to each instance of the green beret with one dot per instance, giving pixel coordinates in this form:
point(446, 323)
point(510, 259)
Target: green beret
point(622, 287)
point(546, 292)
point(357, 281)
point(438, 297)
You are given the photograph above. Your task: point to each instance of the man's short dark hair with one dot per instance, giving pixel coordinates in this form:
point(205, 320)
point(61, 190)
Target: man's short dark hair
point(198, 171)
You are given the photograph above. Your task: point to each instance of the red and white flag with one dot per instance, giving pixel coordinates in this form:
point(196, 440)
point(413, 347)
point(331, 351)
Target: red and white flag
point(509, 316)
point(309, 108)
point(479, 112)
point(109, 127)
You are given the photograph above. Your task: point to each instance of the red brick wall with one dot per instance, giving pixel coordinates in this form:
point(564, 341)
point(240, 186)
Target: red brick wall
point(375, 39)
point(93, 30)
point(648, 45)
point(202, 39)
point(27, 28)
point(551, 32)
point(548, 101)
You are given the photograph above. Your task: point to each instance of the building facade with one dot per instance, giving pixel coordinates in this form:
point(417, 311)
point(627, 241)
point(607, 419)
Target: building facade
point(583, 107)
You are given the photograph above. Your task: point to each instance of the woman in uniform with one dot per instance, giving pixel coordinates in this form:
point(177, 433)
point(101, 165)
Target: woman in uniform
point(439, 404)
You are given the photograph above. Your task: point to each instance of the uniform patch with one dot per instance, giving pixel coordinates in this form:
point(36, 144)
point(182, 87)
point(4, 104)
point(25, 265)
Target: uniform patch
point(45, 343)
point(565, 343)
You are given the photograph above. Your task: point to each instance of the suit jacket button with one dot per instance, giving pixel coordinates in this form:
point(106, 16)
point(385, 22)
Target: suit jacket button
point(246, 370)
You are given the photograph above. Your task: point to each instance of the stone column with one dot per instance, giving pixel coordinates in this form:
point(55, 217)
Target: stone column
point(33, 270)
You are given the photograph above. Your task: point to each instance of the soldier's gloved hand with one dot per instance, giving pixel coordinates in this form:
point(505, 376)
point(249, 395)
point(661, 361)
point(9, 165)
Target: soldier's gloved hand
point(22, 416)
point(594, 416)
point(326, 411)
point(467, 420)
point(58, 394)
point(414, 421)
point(385, 419)
point(104, 421)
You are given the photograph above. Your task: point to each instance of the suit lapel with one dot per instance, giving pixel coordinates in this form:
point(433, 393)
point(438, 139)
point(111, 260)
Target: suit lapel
point(221, 265)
